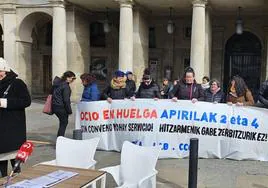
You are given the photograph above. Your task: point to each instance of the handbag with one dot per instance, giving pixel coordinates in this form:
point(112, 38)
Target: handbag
point(48, 105)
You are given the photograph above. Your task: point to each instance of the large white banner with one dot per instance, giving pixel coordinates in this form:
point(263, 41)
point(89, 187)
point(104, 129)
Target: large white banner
point(224, 131)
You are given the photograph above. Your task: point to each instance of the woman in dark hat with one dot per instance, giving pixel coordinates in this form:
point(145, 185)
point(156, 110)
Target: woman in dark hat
point(148, 88)
point(187, 88)
point(117, 88)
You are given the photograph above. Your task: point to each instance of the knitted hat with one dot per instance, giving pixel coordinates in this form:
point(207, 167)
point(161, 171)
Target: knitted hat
point(146, 74)
point(128, 72)
point(119, 73)
point(4, 66)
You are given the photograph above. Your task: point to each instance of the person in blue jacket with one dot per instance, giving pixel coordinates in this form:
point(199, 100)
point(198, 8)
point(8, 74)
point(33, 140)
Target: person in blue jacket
point(91, 91)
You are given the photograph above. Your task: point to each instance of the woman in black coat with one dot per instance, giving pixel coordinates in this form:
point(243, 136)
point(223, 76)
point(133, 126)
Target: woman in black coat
point(187, 88)
point(61, 102)
point(14, 98)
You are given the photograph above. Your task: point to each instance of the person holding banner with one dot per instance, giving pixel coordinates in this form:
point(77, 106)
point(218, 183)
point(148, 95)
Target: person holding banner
point(148, 88)
point(130, 83)
point(118, 88)
point(91, 91)
point(238, 92)
point(214, 93)
point(187, 88)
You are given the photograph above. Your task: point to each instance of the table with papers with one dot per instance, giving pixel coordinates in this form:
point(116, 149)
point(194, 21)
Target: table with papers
point(42, 176)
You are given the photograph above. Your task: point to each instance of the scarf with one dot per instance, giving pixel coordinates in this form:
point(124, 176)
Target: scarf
point(118, 83)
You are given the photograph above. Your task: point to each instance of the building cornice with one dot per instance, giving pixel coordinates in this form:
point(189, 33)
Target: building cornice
point(125, 3)
point(58, 3)
point(199, 3)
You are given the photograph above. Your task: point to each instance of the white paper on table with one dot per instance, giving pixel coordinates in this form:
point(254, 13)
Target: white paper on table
point(46, 180)
point(24, 184)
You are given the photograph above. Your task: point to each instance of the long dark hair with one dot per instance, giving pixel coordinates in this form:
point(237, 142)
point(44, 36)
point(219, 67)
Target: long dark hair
point(67, 74)
point(240, 85)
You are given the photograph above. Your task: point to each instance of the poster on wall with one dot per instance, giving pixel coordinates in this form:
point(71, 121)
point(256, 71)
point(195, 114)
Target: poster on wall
point(98, 67)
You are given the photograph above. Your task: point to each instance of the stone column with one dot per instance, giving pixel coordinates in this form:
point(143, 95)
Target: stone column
point(24, 57)
point(9, 30)
point(141, 43)
point(264, 66)
point(126, 35)
point(198, 39)
point(208, 44)
point(59, 45)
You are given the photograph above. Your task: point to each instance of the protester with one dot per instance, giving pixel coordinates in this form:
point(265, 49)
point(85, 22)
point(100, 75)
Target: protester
point(14, 98)
point(205, 82)
point(263, 94)
point(91, 91)
point(131, 85)
point(214, 93)
point(238, 92)
point(61, 102)
point(165, 89)
point(148, 88)
point(187, 88)
point(117, 88)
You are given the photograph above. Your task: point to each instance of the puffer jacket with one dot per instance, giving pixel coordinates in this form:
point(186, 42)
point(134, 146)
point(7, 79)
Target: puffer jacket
point(148, 91)
point(131, 86)
point(186, 91)
point(91, 93)
point(219, 97)
point(61, 93)
point(263, 93)
point(115, 93)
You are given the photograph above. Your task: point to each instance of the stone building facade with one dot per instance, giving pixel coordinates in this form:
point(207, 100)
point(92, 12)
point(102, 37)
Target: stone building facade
point(44, 38)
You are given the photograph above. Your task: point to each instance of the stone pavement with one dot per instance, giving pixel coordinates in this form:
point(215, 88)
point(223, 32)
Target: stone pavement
point(172, 173)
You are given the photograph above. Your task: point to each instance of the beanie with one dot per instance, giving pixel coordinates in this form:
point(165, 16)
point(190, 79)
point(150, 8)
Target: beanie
point(128, 72)
point(119, 73)
point(146, 74)
point(4, 65)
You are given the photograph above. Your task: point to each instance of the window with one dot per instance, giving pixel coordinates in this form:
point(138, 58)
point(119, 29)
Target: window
point(152, 38)
point(97, 35)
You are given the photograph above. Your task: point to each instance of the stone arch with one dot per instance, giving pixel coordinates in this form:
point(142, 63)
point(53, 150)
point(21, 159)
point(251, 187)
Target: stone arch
point(243, 56)
point(34, 51)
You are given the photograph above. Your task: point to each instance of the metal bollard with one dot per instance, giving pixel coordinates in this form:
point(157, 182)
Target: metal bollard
point(193, 163)
point(77, 134)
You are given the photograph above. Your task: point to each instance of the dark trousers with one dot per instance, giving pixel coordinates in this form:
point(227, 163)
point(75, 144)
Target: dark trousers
point(63, 118)
point(3, 167)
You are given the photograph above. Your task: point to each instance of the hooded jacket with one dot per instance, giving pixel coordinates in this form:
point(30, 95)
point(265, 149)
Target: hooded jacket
point(148, 91)
point(218, 97)
point(61, 93)
point(12, 118)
